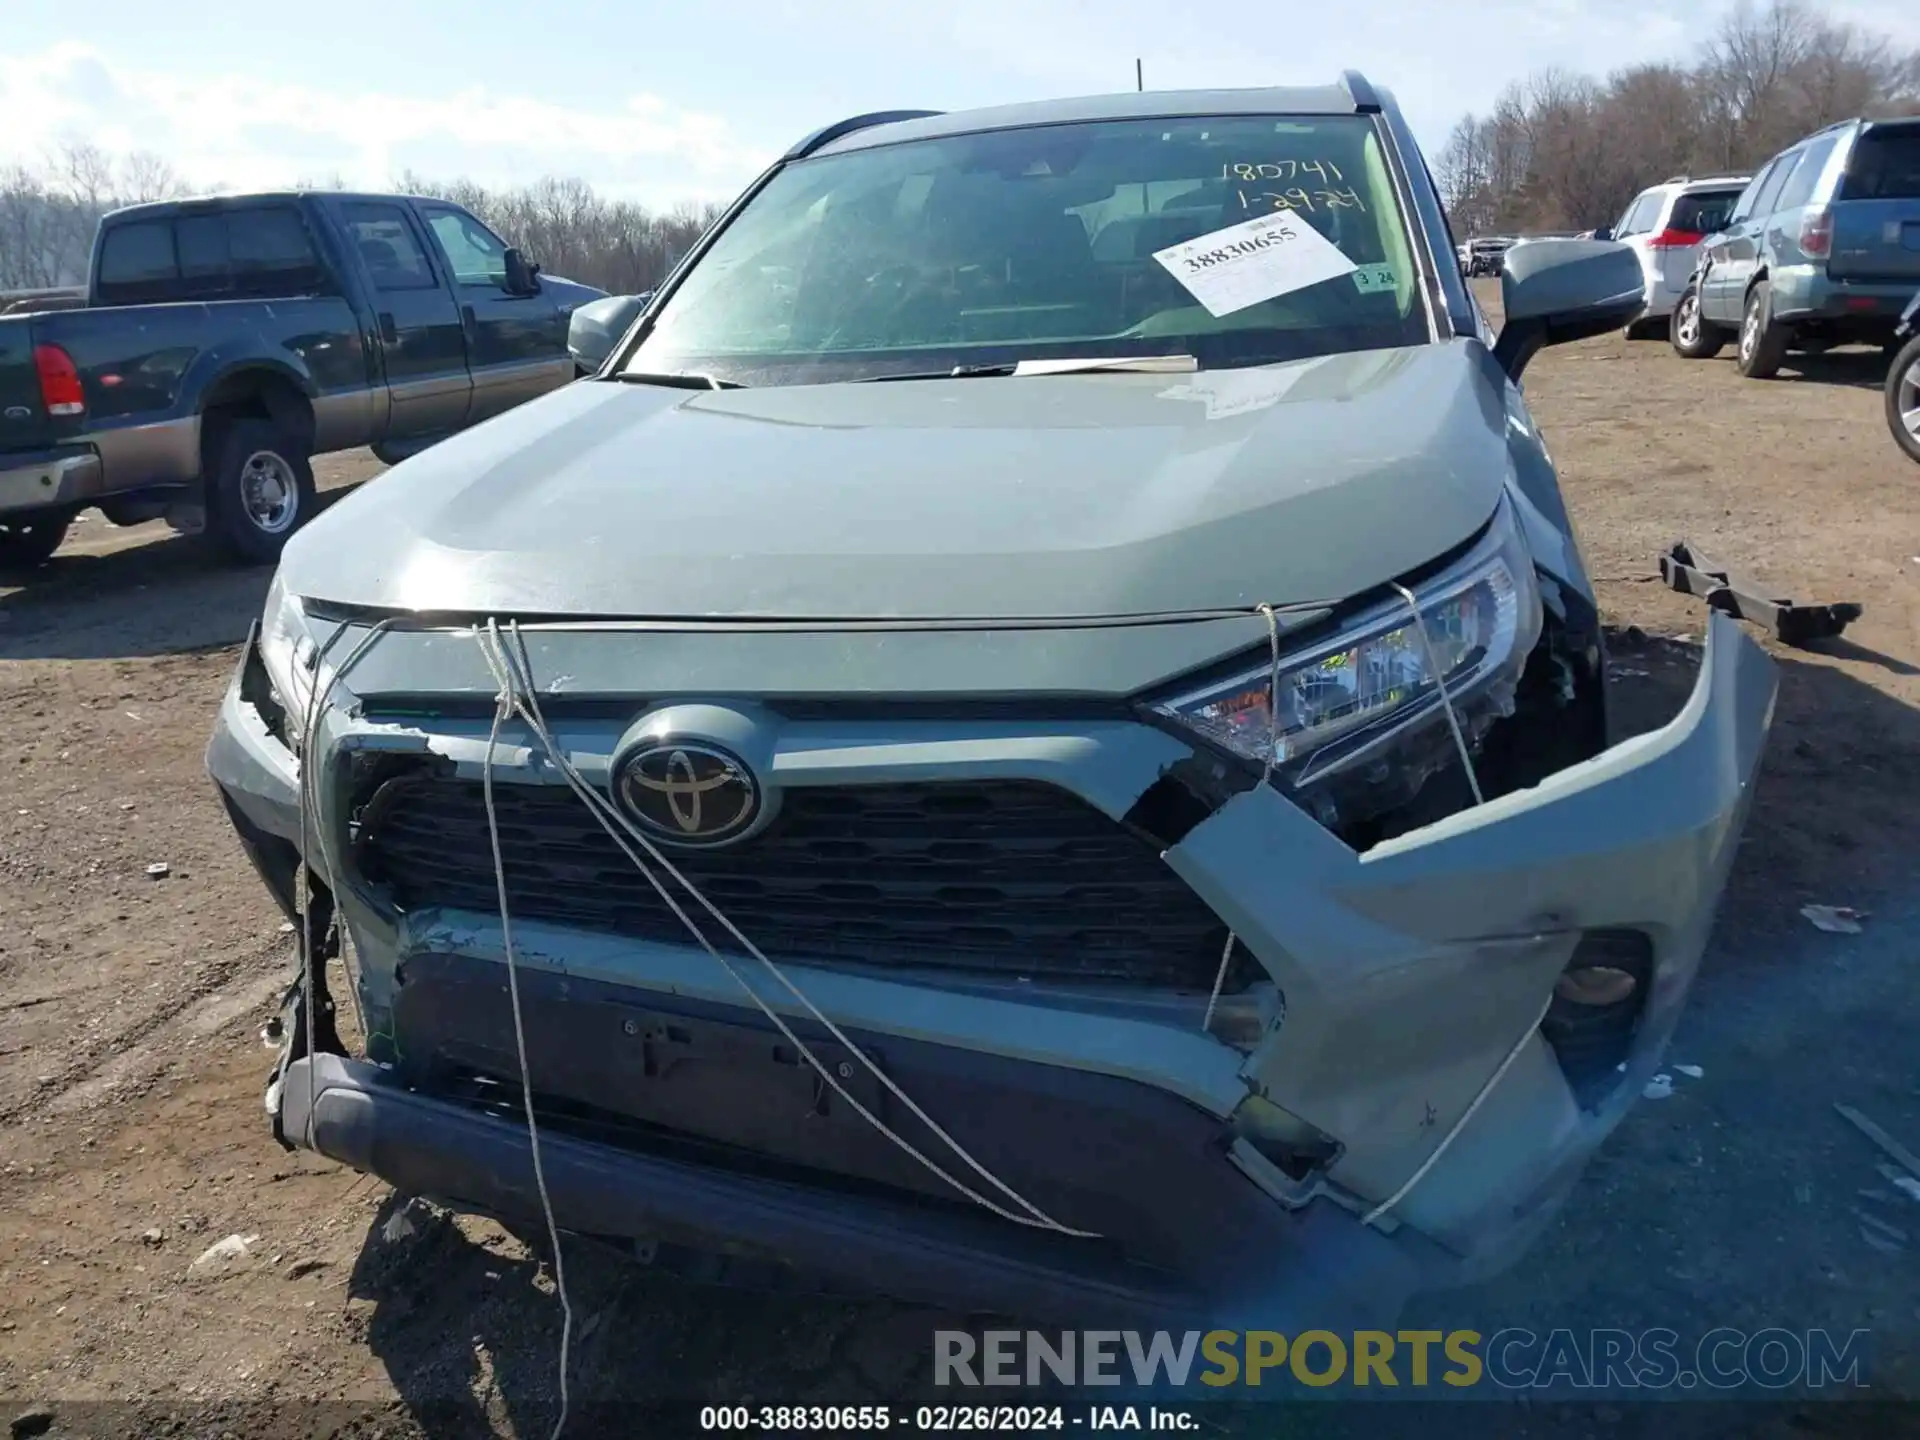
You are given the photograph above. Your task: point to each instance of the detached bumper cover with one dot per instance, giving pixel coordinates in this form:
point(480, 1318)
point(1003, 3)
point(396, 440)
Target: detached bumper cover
point(1409, 973)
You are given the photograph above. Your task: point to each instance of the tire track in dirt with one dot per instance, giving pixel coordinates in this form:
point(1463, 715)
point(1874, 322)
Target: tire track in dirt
point(109, 1066)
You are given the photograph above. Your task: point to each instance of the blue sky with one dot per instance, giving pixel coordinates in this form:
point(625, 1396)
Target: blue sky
point(667, 102)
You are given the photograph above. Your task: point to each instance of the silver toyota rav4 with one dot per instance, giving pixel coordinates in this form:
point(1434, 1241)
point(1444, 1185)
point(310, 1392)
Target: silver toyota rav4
point(1033, 739)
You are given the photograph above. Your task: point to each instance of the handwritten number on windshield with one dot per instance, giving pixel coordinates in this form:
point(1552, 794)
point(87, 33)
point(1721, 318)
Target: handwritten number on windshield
point(1297, 199)
point(1326, 171)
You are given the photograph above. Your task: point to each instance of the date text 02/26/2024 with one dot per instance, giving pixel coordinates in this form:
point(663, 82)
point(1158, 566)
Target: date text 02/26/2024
point(941, 1419)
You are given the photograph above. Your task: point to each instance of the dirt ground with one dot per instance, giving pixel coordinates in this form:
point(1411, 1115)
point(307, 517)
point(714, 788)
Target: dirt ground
point(131, 1130)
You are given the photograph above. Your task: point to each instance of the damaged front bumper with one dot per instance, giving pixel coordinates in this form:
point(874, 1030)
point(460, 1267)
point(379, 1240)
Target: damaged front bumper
point(1228, 1172)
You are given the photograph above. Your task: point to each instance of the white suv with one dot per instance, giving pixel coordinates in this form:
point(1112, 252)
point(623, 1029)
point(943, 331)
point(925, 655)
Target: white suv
point(1664, 226)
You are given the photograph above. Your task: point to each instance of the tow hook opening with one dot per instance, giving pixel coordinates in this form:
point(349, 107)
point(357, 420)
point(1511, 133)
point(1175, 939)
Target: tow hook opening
point(1299, 1150)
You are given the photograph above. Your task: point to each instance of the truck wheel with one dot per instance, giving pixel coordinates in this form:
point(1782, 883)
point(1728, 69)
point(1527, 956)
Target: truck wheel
point(259, 489)
point(1763, 344)
point(1903, 399)
point(1693, 335)
point(29, 537)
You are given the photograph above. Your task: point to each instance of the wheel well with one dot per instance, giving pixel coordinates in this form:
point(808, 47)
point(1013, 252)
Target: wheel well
point(1754, 280)
point(256, 395)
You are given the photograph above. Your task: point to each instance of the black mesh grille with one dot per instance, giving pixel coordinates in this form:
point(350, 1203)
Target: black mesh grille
point(1003, 877)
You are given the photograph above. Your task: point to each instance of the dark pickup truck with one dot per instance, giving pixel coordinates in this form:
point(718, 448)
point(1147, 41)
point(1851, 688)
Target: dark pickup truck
point(226, 341)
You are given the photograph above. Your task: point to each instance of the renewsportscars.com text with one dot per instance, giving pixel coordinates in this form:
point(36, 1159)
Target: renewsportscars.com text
point(1514, 1359)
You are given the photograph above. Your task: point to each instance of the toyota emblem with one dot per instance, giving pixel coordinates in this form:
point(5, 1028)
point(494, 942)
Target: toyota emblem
point(688, 793)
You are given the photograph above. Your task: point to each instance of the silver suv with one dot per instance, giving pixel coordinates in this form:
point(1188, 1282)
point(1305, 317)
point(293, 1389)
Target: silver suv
point(1663, 225)
point(1034, 738)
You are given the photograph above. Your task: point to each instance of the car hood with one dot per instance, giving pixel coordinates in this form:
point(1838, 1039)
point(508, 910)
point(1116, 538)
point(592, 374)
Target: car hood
point(983, 498)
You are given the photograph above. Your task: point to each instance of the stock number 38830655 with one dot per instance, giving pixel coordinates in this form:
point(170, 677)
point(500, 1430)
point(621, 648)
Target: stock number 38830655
point(840, 1419)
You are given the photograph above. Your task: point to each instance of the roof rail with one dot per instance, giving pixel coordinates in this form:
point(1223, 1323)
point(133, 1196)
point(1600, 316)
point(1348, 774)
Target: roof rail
point(1365, 101)
point(828, 134)
point(1676, 180)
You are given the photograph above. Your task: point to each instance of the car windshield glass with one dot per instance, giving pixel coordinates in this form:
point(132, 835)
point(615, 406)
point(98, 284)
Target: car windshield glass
point(1038, 243)
point(1702, 212)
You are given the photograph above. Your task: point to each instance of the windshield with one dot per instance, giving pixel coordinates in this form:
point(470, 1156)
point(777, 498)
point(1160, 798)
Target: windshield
point(1039, 243)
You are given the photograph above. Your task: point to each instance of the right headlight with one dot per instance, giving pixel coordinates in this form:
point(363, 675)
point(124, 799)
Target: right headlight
point(1359, 725)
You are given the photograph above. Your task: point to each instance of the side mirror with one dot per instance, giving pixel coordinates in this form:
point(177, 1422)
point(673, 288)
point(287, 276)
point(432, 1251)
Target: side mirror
point(1605, 232)
point(1556, 291)
point(523, 277)
point(598, 326)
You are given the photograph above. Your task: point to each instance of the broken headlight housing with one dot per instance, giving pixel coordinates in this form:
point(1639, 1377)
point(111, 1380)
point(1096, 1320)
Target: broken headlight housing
point(1361, 724)
point(288, 655)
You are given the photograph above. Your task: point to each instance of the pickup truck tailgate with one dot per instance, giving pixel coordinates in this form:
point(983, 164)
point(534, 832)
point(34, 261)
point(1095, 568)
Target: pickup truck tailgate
point(24, 422)
point(1876, 217)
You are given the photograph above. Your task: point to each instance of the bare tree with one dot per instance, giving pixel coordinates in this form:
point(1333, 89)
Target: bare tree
point(145, 177)
point(85, 173)
point(571, 230)
point(48, 216)
point(1564, 151)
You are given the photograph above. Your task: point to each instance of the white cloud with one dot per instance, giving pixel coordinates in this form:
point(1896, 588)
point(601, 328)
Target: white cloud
point(238, 131)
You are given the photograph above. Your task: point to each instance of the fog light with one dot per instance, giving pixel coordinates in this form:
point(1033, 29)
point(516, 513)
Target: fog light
point(1595, 985)
point(1597, 1004)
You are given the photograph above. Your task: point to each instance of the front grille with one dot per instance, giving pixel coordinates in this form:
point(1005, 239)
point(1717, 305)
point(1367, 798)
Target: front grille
point(1007, 878)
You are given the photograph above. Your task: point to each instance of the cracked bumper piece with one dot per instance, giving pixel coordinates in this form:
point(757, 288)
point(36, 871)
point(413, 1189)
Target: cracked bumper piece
point(1225, 1180)
point(1413, 970)
point(1305, 1269)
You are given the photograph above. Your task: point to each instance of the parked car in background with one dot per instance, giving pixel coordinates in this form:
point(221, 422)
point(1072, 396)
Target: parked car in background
point(1159, 716)
point(1821, 249)
point(226, 341)
point(1903, 383)
point(1485, 254)
point(1663, 225)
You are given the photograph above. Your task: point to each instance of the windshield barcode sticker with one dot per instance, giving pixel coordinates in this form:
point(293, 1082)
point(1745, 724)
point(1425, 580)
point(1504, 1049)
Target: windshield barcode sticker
point(1256, 260)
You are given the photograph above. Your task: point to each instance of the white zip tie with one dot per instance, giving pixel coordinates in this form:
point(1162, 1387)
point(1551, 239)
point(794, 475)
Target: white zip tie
point(1446, 699)
point(317, 698)
point(1273, 751)
point(511, 674)
point(1219, 979)
point(1433, 1158)
point(502, 708)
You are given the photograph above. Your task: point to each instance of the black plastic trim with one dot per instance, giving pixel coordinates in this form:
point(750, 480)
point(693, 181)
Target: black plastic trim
point(827, 134)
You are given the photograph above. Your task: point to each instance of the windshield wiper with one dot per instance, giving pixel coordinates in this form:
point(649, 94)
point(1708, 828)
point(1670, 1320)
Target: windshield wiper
point(1137, 364)
point(958, 372)
point(680, 380)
